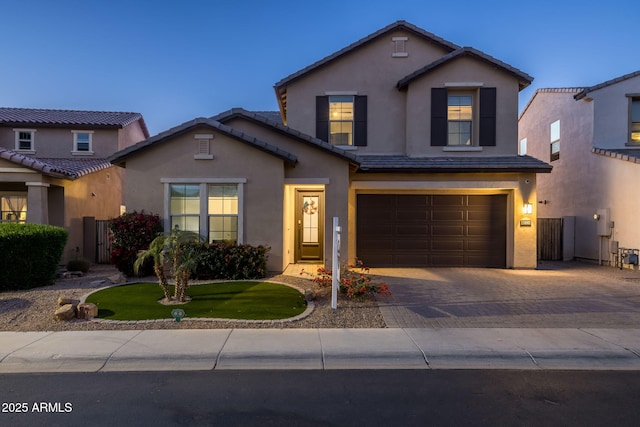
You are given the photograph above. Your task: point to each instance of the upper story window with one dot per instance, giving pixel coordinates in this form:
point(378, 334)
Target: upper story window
point(341, 119)
point(82, 142)
point(460, 119)
point(522, 149)
point(25, 139)
point(554, 139)
point(634, 133)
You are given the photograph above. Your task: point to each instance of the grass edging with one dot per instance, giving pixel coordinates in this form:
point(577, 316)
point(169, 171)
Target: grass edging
point(304, 314)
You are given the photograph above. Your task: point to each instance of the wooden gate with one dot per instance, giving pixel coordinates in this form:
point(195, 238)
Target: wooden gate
point(549, 239)
point(103, 242)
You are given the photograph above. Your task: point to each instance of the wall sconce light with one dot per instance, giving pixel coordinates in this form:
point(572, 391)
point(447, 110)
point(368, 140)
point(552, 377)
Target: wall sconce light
point(596, 217)
point(527, 209)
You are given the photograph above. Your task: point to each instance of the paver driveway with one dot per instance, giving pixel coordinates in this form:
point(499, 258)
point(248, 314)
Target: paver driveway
point(557, 295)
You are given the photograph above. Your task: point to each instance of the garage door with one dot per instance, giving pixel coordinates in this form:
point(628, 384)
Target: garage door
point(399, 230)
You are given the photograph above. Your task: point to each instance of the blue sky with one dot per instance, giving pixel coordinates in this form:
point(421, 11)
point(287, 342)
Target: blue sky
point(174, 61)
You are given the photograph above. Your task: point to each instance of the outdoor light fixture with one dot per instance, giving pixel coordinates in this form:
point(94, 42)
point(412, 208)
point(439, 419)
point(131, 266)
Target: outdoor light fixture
point(527, 209)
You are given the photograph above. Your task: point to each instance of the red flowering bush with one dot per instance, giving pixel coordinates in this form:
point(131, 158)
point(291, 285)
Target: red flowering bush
point(130, 233)
point(355, 280)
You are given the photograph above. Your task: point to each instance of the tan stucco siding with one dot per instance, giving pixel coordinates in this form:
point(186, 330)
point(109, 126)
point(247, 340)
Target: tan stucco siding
point(462, 74)
point(174, 160)
point(129, 135)
point(371, 71)
point(611, 113)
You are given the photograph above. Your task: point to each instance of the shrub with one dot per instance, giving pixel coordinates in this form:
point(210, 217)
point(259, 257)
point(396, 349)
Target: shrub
point(133, 232)
point(231, 261)
point(79, 264)
point(355, 280)
point(30, 254)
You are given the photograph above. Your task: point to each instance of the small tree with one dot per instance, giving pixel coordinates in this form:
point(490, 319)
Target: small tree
point(156, 252)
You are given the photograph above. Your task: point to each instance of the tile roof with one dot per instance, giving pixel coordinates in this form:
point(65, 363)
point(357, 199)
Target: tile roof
point(400, 163)
point(525, 79)
point(121, 156)
point(627, 154)
point(584, 92)
point(266, 120)
point(58, 168)
point(33, 116)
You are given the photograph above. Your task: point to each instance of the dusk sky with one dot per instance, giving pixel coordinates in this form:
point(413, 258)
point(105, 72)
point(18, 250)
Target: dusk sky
point(174, 61)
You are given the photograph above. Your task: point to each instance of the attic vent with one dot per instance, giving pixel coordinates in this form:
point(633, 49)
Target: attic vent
point(203, 146)
point(399, 47)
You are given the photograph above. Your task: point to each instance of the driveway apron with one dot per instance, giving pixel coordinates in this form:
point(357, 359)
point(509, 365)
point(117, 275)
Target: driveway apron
point(556, 295)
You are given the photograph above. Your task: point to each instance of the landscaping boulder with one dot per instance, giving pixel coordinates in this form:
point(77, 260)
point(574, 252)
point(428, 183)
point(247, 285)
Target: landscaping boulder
point(65, 300)
point(66, 312)
point(87, 311)
point(309, 295)
point(118, 278)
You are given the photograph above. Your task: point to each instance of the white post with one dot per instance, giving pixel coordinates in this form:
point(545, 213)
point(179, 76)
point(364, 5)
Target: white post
point(335, 263)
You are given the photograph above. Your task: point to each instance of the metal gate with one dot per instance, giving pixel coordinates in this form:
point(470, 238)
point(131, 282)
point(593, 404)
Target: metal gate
point(550, 239)
point(103, 242)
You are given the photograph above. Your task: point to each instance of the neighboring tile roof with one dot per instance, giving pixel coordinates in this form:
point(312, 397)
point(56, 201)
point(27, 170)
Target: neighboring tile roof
point(525, 79)
point(121, 156)
point(57, 168)
point(627, 154)
point(400, 163)
point(584, 92)
point(265, 119)
point(392, 27)
point(33, 116)
point(273, 116)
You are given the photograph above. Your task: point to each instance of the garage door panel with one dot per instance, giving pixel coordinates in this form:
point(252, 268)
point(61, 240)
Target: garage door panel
point(431, 230)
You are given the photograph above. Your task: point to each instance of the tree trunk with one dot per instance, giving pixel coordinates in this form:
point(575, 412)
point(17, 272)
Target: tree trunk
point(162, 280)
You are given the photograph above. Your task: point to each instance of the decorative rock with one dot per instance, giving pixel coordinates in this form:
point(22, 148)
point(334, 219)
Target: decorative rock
point(309, 295)
point(64, 301)
point(66, 312)
point(87, 311)
point(70, 274)
point(117, 278)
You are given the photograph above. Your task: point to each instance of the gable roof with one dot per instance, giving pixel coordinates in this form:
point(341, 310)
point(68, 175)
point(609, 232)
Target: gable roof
point(266, 119)
point(60, 118)
point(280, 87)
point(568, 90)
point(121, 156)
point(585, 91)
point(400, 163)
point(57, 168)
point(523, 78)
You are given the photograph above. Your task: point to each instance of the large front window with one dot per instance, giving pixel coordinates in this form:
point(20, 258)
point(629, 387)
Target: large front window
point(185, 207)
point(13, 207)
point(223, 212)
point(460, 119)
point(341, 120)
point(635, 120)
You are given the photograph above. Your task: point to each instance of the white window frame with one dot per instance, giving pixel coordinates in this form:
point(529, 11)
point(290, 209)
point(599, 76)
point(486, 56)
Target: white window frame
point(204, 194)
point(352, 122)
point(522, 147)
point(472, 122)
point(554, 140)
point(76, 151)
point(32, 149)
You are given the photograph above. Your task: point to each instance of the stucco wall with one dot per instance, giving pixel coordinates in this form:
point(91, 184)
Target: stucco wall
point(263, 191)
point(50, 142)
point(611, 113)
point(371, 71)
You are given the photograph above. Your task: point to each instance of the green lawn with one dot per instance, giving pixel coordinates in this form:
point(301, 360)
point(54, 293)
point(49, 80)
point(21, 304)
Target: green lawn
point(227, 300)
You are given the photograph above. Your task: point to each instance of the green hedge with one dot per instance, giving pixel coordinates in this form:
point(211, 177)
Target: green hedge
point(230, 261)
point(29, 255)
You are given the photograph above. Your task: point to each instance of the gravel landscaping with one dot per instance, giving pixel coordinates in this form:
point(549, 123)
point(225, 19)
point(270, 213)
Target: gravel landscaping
point(32, 310)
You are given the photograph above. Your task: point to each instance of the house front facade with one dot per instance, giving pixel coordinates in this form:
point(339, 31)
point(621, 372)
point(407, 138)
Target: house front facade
point(54, 168)
point(591, 137)
point(410, 140)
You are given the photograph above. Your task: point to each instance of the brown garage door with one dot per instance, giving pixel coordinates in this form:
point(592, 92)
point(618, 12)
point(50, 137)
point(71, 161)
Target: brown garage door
point(400, 230)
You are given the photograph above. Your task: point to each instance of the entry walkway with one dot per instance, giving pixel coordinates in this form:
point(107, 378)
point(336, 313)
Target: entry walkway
point(557, 295)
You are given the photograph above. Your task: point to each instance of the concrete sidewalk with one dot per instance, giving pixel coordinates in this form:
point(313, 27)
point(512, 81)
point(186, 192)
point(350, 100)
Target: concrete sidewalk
point(321, 349)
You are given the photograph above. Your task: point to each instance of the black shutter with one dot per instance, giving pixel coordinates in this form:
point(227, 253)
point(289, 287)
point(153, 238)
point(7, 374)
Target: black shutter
point(439, 126)
point(487, 116)
point(322, 118)
point(360, 121)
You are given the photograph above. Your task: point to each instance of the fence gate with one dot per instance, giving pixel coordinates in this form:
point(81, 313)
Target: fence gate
point(549, 239)
point(103, 242)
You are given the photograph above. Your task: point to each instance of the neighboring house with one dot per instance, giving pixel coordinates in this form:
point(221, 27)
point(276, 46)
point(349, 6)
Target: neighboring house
point(591, 137)
point(410, 140)
point(54, 168)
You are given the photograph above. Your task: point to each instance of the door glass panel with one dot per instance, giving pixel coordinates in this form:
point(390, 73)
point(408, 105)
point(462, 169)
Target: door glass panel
point(310, 214)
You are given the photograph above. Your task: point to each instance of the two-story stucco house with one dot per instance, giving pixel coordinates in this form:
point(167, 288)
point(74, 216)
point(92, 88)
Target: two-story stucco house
point(410, 140)
point(54, 168)
point(591, 137)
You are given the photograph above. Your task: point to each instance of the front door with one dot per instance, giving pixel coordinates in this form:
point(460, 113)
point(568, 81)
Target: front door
point(309, 225)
